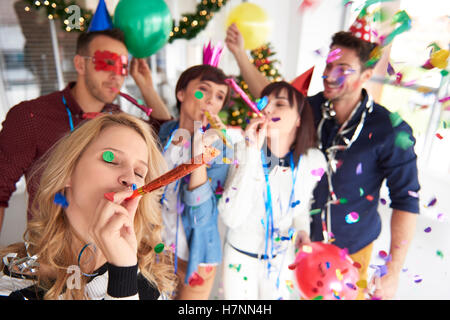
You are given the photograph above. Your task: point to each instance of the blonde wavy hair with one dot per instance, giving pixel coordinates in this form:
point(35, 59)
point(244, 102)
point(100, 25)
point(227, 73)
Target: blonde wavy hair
point(50, 235)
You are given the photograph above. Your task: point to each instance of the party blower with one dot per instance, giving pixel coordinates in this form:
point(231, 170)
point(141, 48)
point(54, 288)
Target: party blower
point(177, 173)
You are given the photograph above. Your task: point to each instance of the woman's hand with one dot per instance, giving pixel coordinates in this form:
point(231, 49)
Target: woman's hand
point(301, 239)
point(112, 229)
point(256, 132)
point(234, 40)
point(141, 73)
point(216, 121)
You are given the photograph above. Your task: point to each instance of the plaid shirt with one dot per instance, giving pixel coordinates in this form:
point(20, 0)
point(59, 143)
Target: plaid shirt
point(29, 130)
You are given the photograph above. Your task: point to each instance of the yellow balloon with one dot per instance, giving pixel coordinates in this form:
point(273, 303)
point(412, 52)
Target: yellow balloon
point(439, 58)
point(253, 23)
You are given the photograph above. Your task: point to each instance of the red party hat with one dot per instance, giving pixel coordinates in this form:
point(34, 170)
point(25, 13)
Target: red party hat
point(361, 29)
point(301, 83)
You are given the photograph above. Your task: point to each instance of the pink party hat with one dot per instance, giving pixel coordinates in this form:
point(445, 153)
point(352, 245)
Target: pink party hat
point(211, 54)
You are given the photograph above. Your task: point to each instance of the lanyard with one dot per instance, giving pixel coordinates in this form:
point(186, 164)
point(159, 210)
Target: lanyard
point(329, 113)
point(269, 230)
point(68, 113)
point(169, 141)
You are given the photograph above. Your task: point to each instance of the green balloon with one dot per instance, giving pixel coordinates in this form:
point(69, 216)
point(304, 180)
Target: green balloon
point(145, 23)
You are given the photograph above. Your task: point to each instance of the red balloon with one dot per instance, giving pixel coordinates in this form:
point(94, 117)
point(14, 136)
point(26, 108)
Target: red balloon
point(324, 271)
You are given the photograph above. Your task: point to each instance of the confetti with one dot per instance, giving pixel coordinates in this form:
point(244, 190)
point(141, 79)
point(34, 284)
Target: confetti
point(318, 173)
point(390, 69)
point(333, 55)
point(133, 186)
point(339, 275)
point(351, 286)
point(432, 202)
point(315, 211)
point(383, 201)
point(439, 136)
point(295, 203)
point(440, 254)
point(440, 217)
point(352, 217)
point(380, 270)
point(159, 248)
point(382, 254)
point(413, 194)
point(276, 119)
point(226, 160)
point(369, 197)
point(61, 200)
point(237, 267)
point(444, 99)
point(357, 265)
point(108, 156)
point(427, 230)
point(417, 278)
point(403, 140)
point(318, 298)
point(359, 169)
point(395, 119)
point(198, 95)
point(361, 192)
point(361, 284)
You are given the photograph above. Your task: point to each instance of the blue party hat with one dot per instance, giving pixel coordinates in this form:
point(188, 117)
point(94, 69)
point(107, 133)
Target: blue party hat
point(101, 19)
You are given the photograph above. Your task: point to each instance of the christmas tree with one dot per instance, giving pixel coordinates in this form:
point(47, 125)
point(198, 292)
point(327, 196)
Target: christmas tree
point(238, 113)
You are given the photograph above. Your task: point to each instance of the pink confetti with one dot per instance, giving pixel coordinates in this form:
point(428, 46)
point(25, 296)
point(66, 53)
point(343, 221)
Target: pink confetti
point(318, 172)
point(382, 254)
point(444, 99)
point(333, 55)
point(440, 216)
point(413, 194)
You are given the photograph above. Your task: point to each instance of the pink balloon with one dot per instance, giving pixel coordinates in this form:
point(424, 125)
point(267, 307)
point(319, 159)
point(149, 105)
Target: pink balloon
point(324, 271)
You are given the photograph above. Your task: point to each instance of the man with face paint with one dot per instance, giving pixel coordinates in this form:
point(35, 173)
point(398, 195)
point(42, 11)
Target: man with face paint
point(365, 145)
point(32, 127)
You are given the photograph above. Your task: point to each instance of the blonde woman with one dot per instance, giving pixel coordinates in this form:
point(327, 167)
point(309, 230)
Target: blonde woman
point(94, 244)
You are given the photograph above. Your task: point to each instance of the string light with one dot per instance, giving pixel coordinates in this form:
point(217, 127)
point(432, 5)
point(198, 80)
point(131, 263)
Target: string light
point(58, 9)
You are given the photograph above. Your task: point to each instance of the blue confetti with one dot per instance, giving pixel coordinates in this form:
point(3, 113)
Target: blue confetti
point(295, 203)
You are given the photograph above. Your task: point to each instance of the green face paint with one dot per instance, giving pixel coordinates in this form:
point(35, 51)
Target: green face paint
point(198, 95)
point(108, 156)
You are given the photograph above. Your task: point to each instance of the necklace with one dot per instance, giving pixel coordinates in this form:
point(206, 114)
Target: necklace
point(329, 113)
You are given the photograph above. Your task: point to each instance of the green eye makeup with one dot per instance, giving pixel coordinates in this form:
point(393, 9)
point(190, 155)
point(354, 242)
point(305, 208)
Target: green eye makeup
point(198, 95)
point(108, 156)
